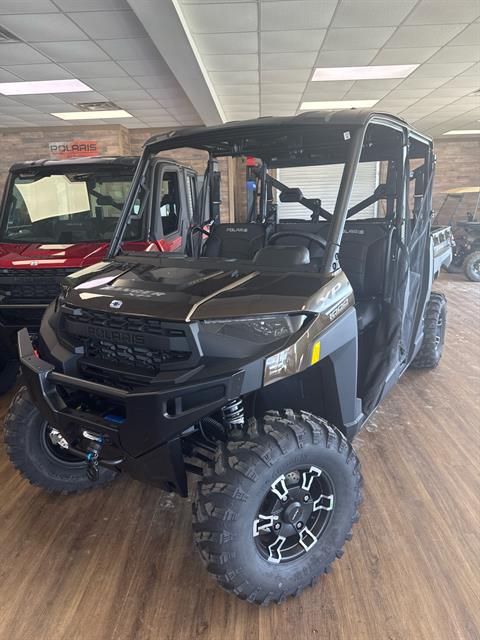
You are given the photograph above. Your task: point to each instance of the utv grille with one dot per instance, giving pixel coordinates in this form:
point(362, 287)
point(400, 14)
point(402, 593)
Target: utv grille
point(29, 286)
point(117, 346)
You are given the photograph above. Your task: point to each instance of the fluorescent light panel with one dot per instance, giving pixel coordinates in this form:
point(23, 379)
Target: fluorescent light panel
point(92, 115)
point(459, 132)
point(42, 86)
point(374, 72)
point(338, 104)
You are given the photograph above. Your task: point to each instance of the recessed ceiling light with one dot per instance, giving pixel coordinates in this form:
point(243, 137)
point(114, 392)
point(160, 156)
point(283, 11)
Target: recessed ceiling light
point(42, 86)
point(92, 115)
point(460, 132)
point(374, 72)
point(338, 104)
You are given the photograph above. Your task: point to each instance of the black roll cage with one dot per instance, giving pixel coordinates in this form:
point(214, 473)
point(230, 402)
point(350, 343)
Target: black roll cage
point(212, 141)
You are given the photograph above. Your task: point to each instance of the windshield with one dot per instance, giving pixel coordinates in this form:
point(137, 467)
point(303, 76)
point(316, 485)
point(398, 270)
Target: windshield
point(68, 208)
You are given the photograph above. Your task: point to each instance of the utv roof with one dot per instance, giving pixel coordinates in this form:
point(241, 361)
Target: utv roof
point(210, 138)
point(127, 161)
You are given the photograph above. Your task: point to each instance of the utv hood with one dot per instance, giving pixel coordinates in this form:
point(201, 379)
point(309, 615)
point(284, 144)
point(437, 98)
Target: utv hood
point(190, 292)
point(69, 256)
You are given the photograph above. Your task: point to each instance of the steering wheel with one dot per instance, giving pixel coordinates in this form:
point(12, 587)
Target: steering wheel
point(301, 234)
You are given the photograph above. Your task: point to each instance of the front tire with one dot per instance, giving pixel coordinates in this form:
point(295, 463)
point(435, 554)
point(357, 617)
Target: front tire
point(471, 266)
point(33, 453)
point(277, 508)
point(435, 320)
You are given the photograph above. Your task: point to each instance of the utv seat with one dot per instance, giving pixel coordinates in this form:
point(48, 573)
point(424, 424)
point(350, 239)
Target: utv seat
point(362, 257)
point(239, 240)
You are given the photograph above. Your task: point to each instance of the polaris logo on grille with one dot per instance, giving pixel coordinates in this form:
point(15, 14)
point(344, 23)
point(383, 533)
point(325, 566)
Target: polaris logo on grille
point(116, 304)
point(117, 336)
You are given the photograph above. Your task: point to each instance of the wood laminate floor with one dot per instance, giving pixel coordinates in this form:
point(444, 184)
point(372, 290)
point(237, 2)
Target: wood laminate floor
point(118, 563)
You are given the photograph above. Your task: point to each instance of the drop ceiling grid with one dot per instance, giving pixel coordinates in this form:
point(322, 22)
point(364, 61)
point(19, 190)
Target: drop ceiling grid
point(114, 64)
point(442, 36)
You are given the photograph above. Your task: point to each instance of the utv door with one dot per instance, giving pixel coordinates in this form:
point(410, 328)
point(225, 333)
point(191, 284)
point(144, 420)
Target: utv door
point(171, 208)
point(418, 250)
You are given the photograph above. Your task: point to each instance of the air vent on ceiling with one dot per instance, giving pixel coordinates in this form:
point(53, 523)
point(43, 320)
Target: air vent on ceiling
point(6, 36)
point(97, 106)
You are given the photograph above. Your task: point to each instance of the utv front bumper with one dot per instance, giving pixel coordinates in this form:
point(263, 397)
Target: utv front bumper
point(141, 433)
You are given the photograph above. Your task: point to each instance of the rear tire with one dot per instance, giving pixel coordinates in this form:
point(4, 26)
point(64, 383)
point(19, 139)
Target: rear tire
point(39, 461)
point(471, 266)
point(8, 375)
point(229, 532)
point(435, 320)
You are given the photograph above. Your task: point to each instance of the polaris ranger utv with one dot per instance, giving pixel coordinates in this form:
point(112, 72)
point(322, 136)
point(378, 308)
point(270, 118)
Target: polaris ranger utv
point(59, 216)
point(251, 363)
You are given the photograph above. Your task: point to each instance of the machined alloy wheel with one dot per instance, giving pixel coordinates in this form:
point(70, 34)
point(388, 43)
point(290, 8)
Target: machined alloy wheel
point(274, 511)
point(471, 266)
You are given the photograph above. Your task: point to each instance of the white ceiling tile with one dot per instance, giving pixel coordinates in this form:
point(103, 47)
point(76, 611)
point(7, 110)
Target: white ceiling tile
point(134, 94)
point(220, 18)
point(408, 93)
point(464, 82)
point(149, 113)
point(318, 93)
point(467, 53)
point(445, 70)
point(473, 71)
point(296, 14)
point(299, 60)
point(138, 104)
point(20, 110)
point(39, 71)
point(95, 69)
point(236, 89)
point(292, 40)
point(357, 93)
point(239, 77)
point(41, 100)
point(233, 62)
point(319, 88)
point(394, 103)
point(92, 5)
point(109, 24)
point(470, 35)
point(371, 13)
point(72, 51)
point(429, 35)
point(106, 84)
point(20, 53)
point(130, 48)
point(422, 83)
point(444, 12)
point(42, 27)
point(404, 55)
point(361, 38)
point(166, 92)
point(453, 92)
point(231, 101)
point(82, 96)
point(156, 81)
point(241, 42)
point(278, 111)
point(144, 67)
point(286, 75)
point(282, 88)
point(27, 6)
point(345, 58)
point(7, 76)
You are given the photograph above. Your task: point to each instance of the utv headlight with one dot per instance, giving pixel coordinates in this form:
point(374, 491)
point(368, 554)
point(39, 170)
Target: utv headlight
point(256, 329)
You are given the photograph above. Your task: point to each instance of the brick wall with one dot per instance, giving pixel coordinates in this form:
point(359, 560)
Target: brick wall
point(18, 145)
point(458, 165)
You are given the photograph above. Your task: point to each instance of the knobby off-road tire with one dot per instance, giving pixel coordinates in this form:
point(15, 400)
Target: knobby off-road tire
point(229, 497)
point(435, 320)
point(39, 461)
point(8, 375)
point(471, 266)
